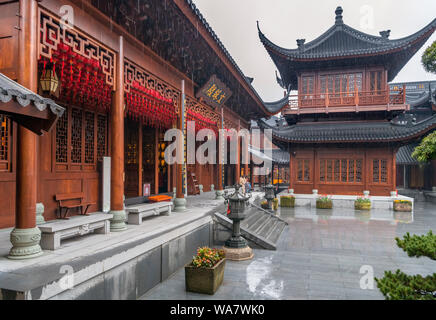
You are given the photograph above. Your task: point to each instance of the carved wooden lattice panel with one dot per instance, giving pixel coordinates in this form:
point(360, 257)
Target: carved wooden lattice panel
point(62, 139)
point(5, 124)
point(52, 33)
point(134, 73)
point(101, 136)
point(76, 135)
point(89, 137)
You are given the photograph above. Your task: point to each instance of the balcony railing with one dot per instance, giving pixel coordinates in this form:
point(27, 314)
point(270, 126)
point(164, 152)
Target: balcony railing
point(383, 99)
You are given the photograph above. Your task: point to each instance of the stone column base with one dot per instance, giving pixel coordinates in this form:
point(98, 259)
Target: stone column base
point(39, 213)
point(118, 222)
point(219, 194)
point(179, 205)
point(25, 244)
point(239, 254)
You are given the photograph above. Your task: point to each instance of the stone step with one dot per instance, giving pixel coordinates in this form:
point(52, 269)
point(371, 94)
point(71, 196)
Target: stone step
point(258, 223)
point(275, 235)
point(251, 219)
point(266, 229)
point(265, 225)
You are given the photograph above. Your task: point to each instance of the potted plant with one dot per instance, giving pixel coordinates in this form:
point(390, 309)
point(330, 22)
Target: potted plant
point(403, 205)
point(264, 204)
point(362, 203)
point(287, 201)
point(275, 204)
point(324, 202)
point(205, 273)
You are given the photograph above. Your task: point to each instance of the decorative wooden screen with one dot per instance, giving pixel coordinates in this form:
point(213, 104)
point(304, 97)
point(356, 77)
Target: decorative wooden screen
point(303, 170)
point(101, 136)
point(380, 171)
point(62, 139)
point(81, 139)
point(340, 170)
point(5, 143)
point(148, 157)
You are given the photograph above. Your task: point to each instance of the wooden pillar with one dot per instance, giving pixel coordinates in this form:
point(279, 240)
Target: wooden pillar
point(26, 236)
point(219, 189)
point(156, 161)
point(140, 161)
point(117, 146)
point(238, 155)
point(180, 201)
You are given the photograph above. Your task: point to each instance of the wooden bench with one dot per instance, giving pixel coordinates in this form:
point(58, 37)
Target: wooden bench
point(137, 212)
point(69, 201)
point(53, 232)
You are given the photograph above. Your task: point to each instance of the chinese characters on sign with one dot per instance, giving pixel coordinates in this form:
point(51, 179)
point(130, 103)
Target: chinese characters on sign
point(215, 92)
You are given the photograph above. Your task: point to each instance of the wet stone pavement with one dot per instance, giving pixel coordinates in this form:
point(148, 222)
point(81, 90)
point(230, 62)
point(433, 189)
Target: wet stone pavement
point(320, 256)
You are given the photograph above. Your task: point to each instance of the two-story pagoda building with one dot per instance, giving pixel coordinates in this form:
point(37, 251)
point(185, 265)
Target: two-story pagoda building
point(345, 125)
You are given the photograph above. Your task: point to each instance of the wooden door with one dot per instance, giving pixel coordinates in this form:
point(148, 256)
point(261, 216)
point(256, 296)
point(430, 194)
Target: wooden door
point(131, 159)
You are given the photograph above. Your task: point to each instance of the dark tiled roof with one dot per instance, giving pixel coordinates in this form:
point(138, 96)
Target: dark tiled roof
point(277, 106)
point(278, 156)
point(404, 155)
point(248, 80)
point(350, 131)
point(11, 90)
point(343, 44)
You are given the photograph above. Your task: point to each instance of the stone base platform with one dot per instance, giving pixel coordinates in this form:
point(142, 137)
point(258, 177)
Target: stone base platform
point(240, 254)
point(115, 266)
point(344, 201)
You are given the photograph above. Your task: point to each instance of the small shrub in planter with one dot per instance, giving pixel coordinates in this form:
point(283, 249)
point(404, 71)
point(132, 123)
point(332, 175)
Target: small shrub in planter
point(362, 204)
point(403, 205)
point(205, 273)
point(287, 201)
point(264, 204)
point(324, 202)
point(275, 204)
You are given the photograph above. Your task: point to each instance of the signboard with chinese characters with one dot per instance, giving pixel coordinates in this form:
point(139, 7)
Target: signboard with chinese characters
point(214, 92)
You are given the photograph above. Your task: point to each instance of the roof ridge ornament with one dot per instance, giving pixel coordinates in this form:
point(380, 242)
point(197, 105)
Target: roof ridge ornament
point(385, 34)
point(300, 44)
point(338, 13)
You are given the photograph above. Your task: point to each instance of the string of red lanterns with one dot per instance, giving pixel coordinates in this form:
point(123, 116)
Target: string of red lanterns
point(149, 107)
point(82, 81)
point(201, 122)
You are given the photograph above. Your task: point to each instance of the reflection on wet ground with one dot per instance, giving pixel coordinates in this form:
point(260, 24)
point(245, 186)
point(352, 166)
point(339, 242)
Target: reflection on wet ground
point(320, 256)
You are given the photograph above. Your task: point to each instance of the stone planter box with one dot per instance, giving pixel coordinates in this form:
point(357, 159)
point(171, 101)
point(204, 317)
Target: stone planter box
point(324, 204)
point(287, 201)
point(204, 280)
point(403, 206)
point(362, 206)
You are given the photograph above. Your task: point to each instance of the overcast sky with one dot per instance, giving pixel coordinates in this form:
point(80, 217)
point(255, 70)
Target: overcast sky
point(285, 21)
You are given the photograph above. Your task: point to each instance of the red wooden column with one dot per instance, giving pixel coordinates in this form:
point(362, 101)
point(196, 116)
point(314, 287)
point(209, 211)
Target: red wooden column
point(219, 192)
point(26, 236)
point(238, 155)
point(117, 146)
point(180, 201)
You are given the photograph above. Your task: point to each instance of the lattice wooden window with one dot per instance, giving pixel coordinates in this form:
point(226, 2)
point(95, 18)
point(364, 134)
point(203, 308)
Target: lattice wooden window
point(380, 171)
point(303, 170)
point(340, 170)
point(89, 137)
point(62, 139)
point(5, 143)
point(76, 135)
point(101, 136)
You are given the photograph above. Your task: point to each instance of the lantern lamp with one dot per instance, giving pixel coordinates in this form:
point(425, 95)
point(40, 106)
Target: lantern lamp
point(49, 81)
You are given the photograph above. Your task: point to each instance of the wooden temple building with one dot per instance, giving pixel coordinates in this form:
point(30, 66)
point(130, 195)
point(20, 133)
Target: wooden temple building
point(109, 78)
point(344, 127)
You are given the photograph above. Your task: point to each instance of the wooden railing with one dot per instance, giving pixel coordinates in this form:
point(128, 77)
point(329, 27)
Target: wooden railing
point(344, 99)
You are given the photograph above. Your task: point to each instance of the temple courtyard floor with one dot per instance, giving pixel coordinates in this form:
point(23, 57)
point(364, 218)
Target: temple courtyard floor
point(320, 255)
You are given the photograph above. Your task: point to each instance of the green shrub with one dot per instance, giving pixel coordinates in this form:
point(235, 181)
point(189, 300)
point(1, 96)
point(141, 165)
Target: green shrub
point(287, 201)
point(418, 246)
point(400, 286)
